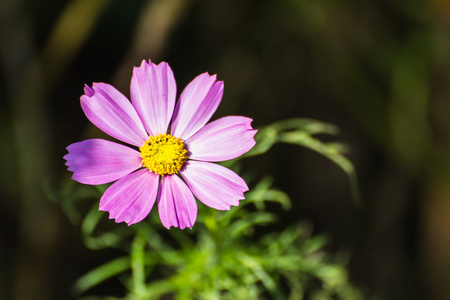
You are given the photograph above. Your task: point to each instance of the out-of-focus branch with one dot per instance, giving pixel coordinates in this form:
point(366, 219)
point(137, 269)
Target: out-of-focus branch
point(153, 29)
point(31, 78)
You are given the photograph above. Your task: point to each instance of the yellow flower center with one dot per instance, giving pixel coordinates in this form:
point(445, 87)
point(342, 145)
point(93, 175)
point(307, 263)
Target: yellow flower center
point(163, 154)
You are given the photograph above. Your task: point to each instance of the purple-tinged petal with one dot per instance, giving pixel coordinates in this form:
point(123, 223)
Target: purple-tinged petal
point(176, 204)
point(131, 198)
point(197, 103)
point(153, 92)
point(214, 185)
point(98, 161)
point(110, 110)
point(88, 91)
point(223, 139)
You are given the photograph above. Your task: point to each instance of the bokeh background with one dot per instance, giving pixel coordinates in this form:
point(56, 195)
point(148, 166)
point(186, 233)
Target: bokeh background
point(378, 69)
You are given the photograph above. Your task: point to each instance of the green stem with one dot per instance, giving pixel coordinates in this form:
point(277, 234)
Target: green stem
point(137, 262)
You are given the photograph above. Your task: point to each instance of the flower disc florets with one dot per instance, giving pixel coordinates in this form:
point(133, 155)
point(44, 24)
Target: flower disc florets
point(160, 173)
point(163, 154)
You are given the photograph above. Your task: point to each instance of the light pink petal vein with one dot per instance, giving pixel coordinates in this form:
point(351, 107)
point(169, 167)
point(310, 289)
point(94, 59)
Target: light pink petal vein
point(131, 198)
point(153, 92)
point(176, 204)
point(197, 103)
point(223, 139)
point(112, 112)
point(98, 161)
point(214, 185)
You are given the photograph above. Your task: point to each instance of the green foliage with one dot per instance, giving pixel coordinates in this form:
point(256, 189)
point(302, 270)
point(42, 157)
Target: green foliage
point(301, 132)
point(228, 254)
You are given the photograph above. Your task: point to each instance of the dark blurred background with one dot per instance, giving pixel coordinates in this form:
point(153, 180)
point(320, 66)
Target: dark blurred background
point(378, 69)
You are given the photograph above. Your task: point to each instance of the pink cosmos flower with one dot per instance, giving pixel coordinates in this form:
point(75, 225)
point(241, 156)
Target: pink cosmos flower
point(172, 139)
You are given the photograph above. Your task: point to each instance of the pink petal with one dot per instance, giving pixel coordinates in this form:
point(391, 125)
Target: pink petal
point(176, 204)
point(110, 110)
point(98, 161)
point(153, 93)
point(214, 185)
point(131, 198)
point(223, 139)
point(197, 103)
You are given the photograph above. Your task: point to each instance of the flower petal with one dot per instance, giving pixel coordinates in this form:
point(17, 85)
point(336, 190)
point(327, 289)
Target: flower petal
point(98, 161)
point(153, 92)
point(110, 110)
point(131, 198)
point(176, 204)
point(223, 139)
point(197, 103)
point(214, 185)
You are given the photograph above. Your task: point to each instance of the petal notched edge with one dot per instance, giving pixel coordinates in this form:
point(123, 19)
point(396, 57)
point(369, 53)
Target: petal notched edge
point(98, 161)
point(197, 103)
point(131, 198)
point(223, 139)
point(88, 91)
point(214, 185)
point(153, 91)
point(110, 110)
point(176, 204)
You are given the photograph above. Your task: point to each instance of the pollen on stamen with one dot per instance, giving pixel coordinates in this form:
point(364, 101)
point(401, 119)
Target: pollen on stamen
point(163, 154)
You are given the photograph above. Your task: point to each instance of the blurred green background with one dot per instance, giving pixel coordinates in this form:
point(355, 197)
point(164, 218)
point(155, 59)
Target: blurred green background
point(378, 69)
